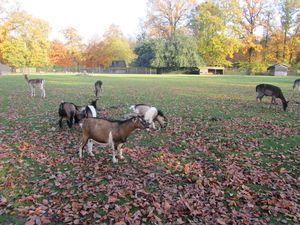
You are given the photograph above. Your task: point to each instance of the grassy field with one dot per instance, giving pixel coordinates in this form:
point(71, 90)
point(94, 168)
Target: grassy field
point(221, 160)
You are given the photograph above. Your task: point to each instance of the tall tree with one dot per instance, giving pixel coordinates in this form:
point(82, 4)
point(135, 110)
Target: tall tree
point(165, 17)
point(211, 24)
point(116, 45)
point(24, 40)
point(252, 14)
point(180, 51)
point(74, 45)
point(289, 11)
point(59, 55)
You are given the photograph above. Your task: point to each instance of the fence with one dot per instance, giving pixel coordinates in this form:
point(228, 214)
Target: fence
point(146, 70)
point(111, 70)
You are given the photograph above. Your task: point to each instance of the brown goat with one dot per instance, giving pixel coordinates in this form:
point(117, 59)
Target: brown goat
point(110, 132)
point(69, 111)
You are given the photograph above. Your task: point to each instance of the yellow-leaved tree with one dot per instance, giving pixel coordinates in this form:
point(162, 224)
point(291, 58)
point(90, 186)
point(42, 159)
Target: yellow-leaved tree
point(74, 45)
point(23, 39)
point(216, 39)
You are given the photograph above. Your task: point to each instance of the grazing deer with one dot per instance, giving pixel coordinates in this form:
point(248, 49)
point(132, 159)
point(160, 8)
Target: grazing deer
point(296, 85)
point(98, 87)
point(35, 83)
point(271, 90)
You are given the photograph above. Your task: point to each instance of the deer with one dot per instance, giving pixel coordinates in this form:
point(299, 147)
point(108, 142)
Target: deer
point(271, 90)
point(296, 85)
point(35, 83)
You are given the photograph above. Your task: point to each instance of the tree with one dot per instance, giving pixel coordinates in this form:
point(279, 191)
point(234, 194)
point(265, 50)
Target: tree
point(74, 45)
point(289, 10)
point(116, 45)
point(24, 40)
point(145, 52)
point(165, 17)
point(216, 42)
point(59, 55)
point(252, 14)
point(180, 51)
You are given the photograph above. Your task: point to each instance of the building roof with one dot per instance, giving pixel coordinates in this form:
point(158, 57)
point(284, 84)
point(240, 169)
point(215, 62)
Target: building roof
point(278, 65)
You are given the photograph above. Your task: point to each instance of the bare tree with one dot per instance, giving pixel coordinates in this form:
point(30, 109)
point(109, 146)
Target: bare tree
point(164, 17)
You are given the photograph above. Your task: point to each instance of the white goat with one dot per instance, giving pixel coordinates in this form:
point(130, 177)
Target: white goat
point(150, 114)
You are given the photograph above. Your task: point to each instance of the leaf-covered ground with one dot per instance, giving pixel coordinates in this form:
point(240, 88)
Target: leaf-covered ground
point(221, 160)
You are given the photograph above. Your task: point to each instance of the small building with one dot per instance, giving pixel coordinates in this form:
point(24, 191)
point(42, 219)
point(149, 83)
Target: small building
point(4, 69)
point(118, 66)
point(211, 70)
point(279, 69)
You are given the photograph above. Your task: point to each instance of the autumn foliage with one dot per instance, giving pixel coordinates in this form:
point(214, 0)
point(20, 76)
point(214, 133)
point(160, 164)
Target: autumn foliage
point(221, 160)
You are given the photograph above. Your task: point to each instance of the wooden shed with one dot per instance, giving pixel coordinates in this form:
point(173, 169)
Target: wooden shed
point(118, 66)
point(279, 69)
point(211, 70)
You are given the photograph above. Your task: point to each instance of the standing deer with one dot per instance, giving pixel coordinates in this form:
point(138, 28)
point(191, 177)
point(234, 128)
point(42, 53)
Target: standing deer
point(271, 90)
point(98, 87)
point(35, 83)
point(296, 85)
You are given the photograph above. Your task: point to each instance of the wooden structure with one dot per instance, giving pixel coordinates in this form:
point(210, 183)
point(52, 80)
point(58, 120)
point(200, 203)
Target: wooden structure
point(118, 66)
point(4, 69)
point(211, 70)
point(279, 69)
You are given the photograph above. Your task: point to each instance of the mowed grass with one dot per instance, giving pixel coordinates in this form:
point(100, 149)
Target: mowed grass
point(221, 160)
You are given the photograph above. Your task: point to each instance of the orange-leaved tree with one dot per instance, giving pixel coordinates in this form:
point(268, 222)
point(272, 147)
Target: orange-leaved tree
point(59, 55)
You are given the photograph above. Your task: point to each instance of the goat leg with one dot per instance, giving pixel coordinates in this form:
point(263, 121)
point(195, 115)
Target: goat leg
point(120, 151)
point(90, 147)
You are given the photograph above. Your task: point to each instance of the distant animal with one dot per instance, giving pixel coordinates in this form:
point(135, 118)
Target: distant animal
point(98, 87)
point(89, 110)
point(150, 114)
point(271, 90)
point(296, 85)
point(69, 111)
point(35, 83)
point(110, 132)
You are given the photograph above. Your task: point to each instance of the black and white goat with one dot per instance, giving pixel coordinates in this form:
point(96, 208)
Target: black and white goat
point(98, 87)
point(69, 111)
point(89, 110)
point(35, 83)
point(110, 132)
point(150, 114)
point(271, 90)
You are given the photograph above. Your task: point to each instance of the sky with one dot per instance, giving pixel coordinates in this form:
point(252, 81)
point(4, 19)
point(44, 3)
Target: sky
point(88, 17)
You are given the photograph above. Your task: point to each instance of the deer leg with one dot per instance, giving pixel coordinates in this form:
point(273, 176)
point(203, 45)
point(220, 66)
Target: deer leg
point(43, 94)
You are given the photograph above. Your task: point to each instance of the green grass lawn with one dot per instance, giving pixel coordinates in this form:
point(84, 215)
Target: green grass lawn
point(221, 160)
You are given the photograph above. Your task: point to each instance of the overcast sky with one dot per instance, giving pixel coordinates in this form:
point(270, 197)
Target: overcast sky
point(88, 17)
